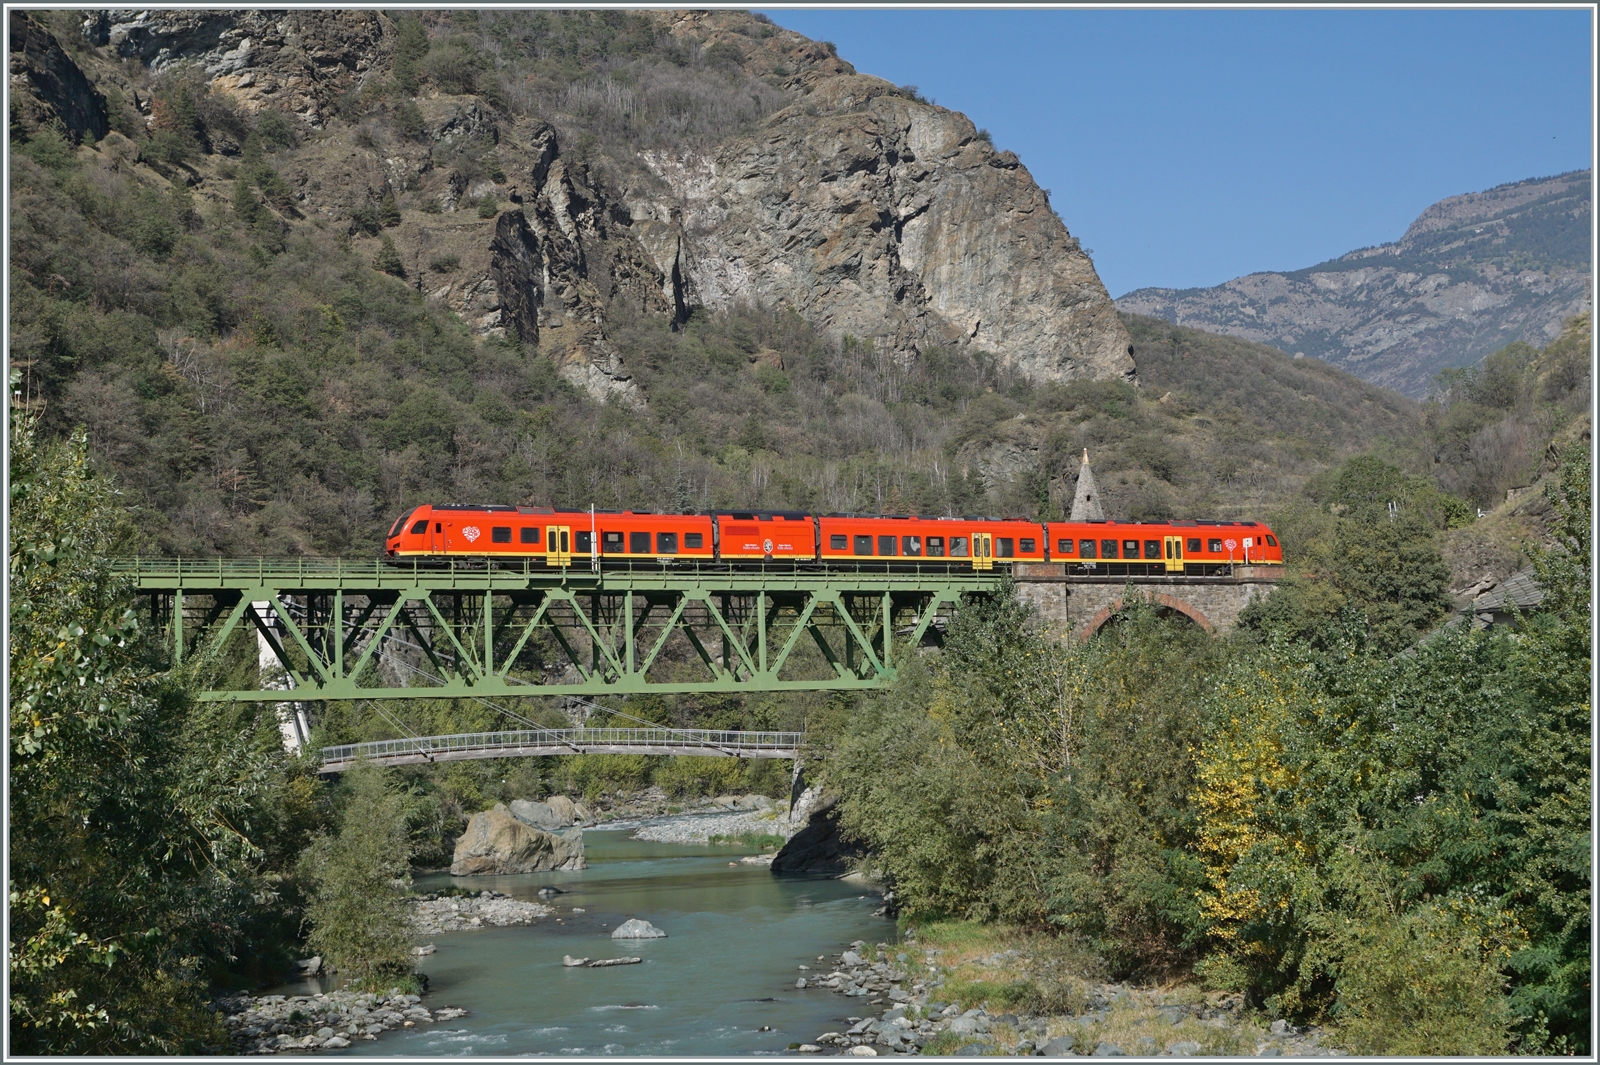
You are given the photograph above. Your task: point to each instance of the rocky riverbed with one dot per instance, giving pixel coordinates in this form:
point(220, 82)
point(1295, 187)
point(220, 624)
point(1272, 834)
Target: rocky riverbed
point(731, 816)
point(903, 1013)
point(434, 913)
point(290, 1024)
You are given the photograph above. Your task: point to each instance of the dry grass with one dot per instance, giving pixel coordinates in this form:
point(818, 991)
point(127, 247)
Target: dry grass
point(1051, 976)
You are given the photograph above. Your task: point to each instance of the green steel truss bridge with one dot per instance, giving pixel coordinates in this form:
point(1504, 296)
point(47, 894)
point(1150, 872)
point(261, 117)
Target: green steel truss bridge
point(334, 629)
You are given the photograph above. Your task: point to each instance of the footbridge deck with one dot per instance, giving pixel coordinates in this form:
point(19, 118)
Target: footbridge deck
point(532, 742)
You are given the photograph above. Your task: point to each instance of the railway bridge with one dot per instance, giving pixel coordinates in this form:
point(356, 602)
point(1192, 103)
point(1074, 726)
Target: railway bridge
point(337, 629)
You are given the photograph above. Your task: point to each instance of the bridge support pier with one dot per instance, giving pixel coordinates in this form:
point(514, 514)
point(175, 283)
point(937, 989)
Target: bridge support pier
point(1078, 606)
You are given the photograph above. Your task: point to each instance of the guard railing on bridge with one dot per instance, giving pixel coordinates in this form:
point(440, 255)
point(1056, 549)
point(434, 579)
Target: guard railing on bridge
point(530, 742)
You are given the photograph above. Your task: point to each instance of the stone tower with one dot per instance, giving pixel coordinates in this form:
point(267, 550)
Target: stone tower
point(1086, 501)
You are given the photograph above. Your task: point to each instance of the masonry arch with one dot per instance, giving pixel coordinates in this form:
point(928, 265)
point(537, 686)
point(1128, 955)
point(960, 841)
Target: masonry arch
point(1165, 606)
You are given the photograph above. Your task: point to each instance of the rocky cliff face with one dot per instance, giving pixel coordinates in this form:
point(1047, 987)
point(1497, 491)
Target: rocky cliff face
point(871, 213)
point(1472, 274)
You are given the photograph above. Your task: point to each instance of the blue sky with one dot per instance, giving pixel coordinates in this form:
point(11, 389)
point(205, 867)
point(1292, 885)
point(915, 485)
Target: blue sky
point(1189, 147)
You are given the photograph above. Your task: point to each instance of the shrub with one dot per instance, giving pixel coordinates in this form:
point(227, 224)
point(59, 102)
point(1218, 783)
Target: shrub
point(364, 219)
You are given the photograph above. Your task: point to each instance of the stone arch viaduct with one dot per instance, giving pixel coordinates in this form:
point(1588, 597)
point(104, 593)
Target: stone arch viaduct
point(1077, 606)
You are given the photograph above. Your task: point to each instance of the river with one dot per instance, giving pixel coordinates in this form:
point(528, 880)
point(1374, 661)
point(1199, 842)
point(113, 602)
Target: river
point(736, 936)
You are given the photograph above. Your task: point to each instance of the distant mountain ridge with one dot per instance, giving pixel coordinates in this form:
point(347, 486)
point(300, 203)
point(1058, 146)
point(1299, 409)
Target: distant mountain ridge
point(1471, 274)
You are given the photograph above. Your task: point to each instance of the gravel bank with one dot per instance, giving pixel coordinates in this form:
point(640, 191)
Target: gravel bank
point(298, 1024)
point(699, 828)
point(435, 913)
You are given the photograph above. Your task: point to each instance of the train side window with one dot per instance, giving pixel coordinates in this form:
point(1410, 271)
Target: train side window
point(863, 545)
point(1063, 547)
point(666, 543)
point(1085, 548)
point(611, 543)
point(838, 542)
point(1192, 545)
point(564, 540)
point(419, 527)
point(1272, 541)
point(1130, 549)
point(638, 543)
point(958, 547)
point(530, 534)
point(694, 540)
point(1027, 547)
point(935, 547)
point(1108, 549)
point(911, 545)
point(438, 527)
point(500, 534)
point(1005, 547)
point(1152, 549)
point(583, 541)
point(886, 545)
point(1214, 546)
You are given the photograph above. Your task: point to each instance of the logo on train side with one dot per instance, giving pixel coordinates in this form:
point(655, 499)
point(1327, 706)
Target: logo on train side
point(471, 532)
point(766, 545)
point(1231, 544)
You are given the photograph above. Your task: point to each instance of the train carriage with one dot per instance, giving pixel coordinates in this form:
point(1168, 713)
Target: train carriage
point(1147, 548)
point(958, 542)
point(766, 536)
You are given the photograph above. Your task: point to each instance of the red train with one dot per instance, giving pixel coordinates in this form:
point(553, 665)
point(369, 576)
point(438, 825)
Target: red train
point(565, 538)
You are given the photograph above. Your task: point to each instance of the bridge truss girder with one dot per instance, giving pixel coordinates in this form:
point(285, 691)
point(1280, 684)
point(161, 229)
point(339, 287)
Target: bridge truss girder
point(536, 632)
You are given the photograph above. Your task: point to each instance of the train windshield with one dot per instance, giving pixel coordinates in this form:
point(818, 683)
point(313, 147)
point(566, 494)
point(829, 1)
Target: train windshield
point(399, 523)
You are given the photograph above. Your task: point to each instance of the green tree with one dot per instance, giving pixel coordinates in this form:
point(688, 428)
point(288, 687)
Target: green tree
point(412, 46)
point(388, 209)
point(357, 881)
point(388, 258)
point(246, 208)
point(132, 866)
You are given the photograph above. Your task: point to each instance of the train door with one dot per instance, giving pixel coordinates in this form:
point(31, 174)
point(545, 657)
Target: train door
point(1174, 554)
point(982, 551)
point(436, 539)
point(558, 545)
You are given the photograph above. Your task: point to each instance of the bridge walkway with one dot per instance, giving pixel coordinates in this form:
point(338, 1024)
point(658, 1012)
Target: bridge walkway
point(523, 743)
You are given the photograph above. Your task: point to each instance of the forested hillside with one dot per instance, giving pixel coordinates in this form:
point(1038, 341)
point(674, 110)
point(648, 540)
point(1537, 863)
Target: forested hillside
point(262, 378)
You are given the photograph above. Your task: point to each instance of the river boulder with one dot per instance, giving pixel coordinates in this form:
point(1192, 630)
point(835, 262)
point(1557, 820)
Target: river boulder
point(552, 815)
point(497, 843)
point(633, 928)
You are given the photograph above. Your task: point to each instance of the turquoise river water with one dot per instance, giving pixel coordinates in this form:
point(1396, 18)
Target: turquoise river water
point(736, 936)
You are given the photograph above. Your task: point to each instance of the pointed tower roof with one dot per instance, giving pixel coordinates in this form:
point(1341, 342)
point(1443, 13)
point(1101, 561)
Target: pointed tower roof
point(1086, 501)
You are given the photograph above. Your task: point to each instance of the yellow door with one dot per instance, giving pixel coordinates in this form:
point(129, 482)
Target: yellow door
point(558, 545)
point(1174, 554)
point(982, 551)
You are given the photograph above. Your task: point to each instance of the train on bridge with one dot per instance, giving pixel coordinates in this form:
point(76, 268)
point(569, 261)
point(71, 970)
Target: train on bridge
point(883, 543)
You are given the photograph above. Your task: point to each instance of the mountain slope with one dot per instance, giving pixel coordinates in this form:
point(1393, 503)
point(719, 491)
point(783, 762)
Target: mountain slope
point(1470, 275)
point(274, 360)
point(535, 170)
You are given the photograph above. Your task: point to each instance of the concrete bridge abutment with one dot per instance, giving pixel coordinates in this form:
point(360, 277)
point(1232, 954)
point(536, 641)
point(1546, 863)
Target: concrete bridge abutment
point(1078, 606)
